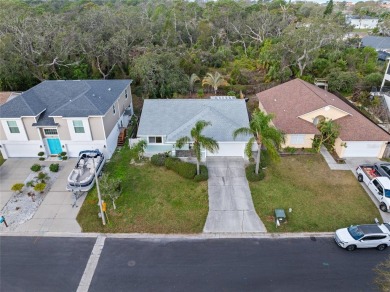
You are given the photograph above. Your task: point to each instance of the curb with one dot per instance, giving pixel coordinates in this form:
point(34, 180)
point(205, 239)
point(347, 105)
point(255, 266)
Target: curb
point(196, 236)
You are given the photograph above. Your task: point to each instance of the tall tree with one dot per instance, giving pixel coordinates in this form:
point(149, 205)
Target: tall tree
point(263, 134)
point(199, 141)
point(329, 8)
point(215, 81)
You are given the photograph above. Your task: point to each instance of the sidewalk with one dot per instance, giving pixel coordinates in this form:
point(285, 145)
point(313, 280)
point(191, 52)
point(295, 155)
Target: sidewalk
point(55, 214)
point(333, 165)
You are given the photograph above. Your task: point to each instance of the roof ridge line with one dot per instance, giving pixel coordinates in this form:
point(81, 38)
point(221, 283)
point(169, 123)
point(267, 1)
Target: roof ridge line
point(304, 83)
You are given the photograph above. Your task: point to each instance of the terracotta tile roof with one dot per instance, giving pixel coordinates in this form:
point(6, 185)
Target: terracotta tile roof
point(294, 98)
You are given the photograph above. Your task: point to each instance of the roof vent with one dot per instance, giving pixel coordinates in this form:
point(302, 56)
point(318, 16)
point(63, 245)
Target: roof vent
point(275, 99)
point(93, 94)
point(109, 89)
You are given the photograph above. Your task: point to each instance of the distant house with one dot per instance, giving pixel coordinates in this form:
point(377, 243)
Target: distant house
point(69, 116)
point(163, 121)
point(362, 22)
point(377, 42)
point(299, 106)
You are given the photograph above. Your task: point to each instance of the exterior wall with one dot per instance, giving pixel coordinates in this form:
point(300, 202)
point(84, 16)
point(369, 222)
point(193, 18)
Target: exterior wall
point(62, 129)
point(32, 132)
point(308, 141)
point(364, 23)
point(21, 136)
point(341, 151)
point(329, 112)
point(2, 133)
point(86, 136)
point(339, 148)
point(74, 147)
point(121, 104)
point(229, 149)
point(20, 148)
point(96, 126)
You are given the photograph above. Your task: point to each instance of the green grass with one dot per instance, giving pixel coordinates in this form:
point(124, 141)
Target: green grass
point(153, 200)
point(1, 159)
point(321, 199)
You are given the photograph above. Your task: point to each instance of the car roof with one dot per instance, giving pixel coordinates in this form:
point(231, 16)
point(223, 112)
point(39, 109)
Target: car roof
point(384, 180)
point(370, 228)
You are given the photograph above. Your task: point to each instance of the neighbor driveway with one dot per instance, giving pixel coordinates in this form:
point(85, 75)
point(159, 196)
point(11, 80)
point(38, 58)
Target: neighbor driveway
point(230, 201)
point(56, 213)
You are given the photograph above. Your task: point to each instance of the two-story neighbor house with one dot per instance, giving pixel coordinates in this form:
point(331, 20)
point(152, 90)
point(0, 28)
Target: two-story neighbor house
point(65, 116)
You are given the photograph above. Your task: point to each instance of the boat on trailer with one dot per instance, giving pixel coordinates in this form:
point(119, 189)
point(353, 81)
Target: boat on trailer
point(82, 177)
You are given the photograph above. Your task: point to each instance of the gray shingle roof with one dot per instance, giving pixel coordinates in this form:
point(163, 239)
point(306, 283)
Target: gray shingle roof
point(174, 118)
point(66, 98)
point(376, 42)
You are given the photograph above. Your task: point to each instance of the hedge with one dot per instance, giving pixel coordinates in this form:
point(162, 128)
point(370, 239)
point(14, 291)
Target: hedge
point(184, 169)
point(204, 174)
point(251, 175)
point(159, 159)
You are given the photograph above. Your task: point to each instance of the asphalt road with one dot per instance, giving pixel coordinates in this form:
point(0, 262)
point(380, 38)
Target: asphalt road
point(234, 265)
point(57, 264)
point(42, 264)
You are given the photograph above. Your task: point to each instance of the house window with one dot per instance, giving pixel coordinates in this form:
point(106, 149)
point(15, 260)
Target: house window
point(78, 127)
point(297, 139)
point(157, 140)
point(113, 109)
point(13, 127)
point(125, 93)
point(50, 131)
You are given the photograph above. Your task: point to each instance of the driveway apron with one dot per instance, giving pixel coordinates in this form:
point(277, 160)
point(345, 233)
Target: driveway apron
point(230, 201)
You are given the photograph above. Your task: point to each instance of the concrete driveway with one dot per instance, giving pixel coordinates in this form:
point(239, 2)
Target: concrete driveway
point(353, 163)
point(230, 201)
point(55, 214)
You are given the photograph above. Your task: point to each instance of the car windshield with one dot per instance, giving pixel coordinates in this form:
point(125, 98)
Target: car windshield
point(386, 169)
point(355, 232)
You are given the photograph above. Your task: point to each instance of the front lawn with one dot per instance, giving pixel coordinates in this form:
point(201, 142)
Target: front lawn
point(321, 199)
point(154, 200)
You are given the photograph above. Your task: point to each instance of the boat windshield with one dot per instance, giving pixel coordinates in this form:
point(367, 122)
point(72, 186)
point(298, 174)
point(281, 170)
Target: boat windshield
point(355, 232)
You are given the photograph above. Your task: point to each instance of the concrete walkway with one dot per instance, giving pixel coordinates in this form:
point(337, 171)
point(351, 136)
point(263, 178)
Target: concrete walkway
point(333, 165)
point(55, 214)
point(230, 201)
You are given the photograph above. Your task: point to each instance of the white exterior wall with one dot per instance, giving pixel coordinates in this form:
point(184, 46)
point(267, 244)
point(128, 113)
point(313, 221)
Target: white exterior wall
point(21, 136)
point(112, 139)
point(364, 149)
point(73, 148)
point(86, 136)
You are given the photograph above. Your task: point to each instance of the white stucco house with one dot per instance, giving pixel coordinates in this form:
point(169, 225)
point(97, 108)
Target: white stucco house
point(164, 121)
point(65, 116)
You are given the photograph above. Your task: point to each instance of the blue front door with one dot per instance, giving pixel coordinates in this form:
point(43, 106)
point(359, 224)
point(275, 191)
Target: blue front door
point(54, 146)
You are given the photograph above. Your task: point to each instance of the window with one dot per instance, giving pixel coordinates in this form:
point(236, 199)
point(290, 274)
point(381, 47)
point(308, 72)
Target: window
point(78, 127)
point(297, 139)
point(125, 93)
point(113, 109)
point(13, 127)
point(155, 140)
point(50, 131)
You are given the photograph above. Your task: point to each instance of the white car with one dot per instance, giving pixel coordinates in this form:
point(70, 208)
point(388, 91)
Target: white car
point(364, 236)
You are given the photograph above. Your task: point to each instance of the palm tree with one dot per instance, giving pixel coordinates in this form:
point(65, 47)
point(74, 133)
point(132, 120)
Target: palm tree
point(194, 78)
point(199, 141)
point(263, 133)
point(214, 81)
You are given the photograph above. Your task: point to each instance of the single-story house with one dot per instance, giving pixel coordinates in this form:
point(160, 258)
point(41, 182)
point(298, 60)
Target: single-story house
point(362, 22)
point(65, 116)
point(299, 106)
point(164, 121)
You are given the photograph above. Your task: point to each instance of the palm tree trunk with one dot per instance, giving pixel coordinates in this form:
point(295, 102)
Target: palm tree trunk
point(258, 158)
point(197, 167)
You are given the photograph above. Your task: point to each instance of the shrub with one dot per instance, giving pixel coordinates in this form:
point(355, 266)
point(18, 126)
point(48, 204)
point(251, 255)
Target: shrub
point(64, 157)
point(231, 93)
point(42, 177)
point(30, 183)
point(200, 93)
point(63, 154)
point(204, 174)
point(54, 167)
point(290, 150)
point(36, 167)
point(251, 175)
point(159, 159)
point(41, 158)
point(17, 187)
point(40, 187)
point(184, 169)
point(40, 154)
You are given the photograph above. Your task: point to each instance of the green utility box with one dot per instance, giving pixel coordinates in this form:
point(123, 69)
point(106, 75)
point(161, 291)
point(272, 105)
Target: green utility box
point(280, 215)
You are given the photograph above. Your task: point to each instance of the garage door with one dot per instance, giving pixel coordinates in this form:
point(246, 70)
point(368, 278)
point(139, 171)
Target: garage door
point(21, 150)
point(229, 149)
point(363, 149)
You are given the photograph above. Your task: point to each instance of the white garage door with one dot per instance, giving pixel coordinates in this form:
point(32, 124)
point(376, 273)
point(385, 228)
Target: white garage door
point(229, 149)
point(21, 150)
point(363, 149)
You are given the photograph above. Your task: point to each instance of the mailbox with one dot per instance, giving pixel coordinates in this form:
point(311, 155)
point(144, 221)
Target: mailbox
point(280, 215)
